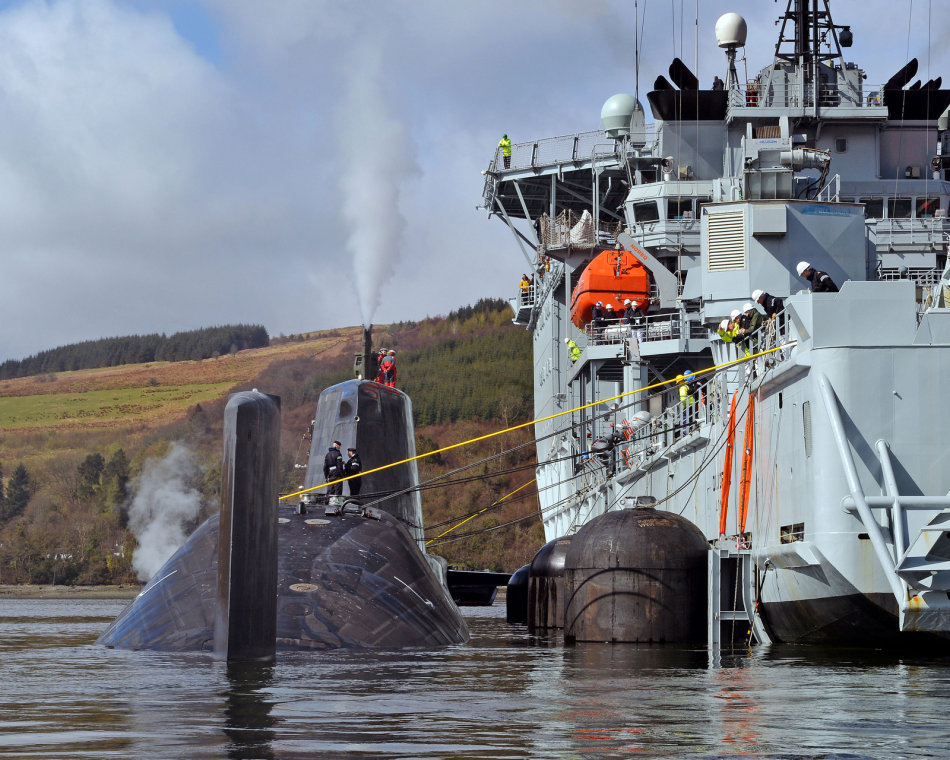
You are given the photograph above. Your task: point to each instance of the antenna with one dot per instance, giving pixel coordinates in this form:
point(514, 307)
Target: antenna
point(731, 32)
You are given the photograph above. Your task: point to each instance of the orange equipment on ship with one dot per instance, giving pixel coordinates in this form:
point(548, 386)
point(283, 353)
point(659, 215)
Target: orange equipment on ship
point(612, 277)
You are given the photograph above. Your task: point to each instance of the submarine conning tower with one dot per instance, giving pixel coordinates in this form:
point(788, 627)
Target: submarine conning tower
point(377, 421)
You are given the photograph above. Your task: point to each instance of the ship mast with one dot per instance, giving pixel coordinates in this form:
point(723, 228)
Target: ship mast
point(806, 26)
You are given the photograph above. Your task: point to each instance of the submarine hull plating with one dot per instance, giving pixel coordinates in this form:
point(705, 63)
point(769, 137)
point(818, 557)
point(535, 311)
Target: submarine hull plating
point(357, 578)
point(345, 581)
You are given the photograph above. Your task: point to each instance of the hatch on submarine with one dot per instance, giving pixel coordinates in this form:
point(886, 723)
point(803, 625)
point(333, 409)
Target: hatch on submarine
point(349, 575)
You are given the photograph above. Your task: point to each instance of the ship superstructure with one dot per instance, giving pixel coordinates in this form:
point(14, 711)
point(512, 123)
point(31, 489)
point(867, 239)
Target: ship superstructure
point(810, 446)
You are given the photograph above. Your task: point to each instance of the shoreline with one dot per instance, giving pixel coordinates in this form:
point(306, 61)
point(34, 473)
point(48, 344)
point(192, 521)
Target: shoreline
point(45, 591)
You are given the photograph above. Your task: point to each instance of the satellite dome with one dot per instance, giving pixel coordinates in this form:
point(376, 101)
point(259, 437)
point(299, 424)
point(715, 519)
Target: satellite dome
point(619, 114)
point(731, 31)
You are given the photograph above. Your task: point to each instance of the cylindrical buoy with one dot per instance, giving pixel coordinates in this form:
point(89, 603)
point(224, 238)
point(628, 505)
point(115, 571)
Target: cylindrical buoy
point(546, 586)
point(636, 575)
point(516, 600)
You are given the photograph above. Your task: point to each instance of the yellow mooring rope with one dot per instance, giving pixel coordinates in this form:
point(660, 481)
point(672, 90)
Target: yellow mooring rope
point(534, 422)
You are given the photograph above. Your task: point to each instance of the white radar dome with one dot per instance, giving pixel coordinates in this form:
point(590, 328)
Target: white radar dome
point(621, 114)
point(731, 31)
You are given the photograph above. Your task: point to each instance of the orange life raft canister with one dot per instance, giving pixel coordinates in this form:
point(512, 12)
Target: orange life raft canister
point(611, 277)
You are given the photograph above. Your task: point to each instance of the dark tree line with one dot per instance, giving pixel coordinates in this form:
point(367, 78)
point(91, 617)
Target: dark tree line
point(139, 349)
point(16, 496)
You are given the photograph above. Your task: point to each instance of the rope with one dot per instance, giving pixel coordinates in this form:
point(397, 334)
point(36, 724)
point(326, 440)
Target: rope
point(511, 429)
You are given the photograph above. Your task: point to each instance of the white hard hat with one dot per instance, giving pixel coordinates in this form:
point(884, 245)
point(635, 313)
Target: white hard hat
point(757, 294)
point(724, 325)
point(748, 306)
point(635, 303)
point(610, 306)
point(567, 340)
point(627, 302)
point(801, 267)
point(735, 313)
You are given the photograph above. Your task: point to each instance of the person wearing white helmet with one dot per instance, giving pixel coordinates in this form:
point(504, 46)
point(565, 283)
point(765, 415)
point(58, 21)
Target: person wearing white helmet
point(633, 316)
point(573, 349)
point(749, 321)
point(727, 330)
point(819, 281)
point(769, 303)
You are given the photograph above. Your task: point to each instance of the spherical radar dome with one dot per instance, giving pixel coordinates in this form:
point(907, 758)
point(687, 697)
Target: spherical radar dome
point(619, 114)
point(731, 31)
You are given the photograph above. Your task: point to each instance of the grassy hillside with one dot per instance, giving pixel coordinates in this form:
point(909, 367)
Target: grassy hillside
point(84, 438)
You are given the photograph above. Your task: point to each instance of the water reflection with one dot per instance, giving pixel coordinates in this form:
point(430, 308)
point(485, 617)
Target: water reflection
point(504, 695)
point(247, 711)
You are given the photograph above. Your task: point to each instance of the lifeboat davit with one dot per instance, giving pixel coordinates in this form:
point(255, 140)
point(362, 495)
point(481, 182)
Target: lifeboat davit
point(612, 277)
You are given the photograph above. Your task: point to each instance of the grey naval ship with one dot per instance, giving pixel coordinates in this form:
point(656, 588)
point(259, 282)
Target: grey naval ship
point(808, 451)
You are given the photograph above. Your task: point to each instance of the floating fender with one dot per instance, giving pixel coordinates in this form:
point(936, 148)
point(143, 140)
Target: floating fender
point(636, 575)
point(546, 590)
point(516, 600)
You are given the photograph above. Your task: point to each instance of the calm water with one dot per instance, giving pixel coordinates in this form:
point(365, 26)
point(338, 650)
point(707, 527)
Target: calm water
point(503, 695)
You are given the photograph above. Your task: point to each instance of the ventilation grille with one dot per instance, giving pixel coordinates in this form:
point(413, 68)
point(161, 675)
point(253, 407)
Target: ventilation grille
point(726, 241)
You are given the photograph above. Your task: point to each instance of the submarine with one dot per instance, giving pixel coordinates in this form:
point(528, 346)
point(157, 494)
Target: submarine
point(342, 572)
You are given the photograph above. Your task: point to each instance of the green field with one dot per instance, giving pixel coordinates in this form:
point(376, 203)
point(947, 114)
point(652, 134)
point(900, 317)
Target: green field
point(103, 407)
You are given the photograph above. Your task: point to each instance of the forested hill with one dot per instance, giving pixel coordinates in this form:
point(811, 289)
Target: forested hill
point(205, 343)
point(77, 445)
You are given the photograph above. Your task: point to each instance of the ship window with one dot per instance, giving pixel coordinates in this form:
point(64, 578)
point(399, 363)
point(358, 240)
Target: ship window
point(841, 145)
point(898, 208)
point(873, 208)
point(926, 207)
point(646, 212)
point(790, 533)
point(675, 207)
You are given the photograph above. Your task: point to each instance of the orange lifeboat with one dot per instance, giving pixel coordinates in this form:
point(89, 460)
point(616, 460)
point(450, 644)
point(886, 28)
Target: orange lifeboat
point(611, 277)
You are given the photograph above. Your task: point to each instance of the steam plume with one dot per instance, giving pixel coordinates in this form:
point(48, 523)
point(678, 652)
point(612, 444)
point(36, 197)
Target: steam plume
point(376, 159)
point(162, 506)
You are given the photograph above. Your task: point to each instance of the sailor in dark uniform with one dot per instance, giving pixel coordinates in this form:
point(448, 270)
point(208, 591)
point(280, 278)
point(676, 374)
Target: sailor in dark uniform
point(820, 281)
point(353, 466)
point(333, 469)
point(772, 305)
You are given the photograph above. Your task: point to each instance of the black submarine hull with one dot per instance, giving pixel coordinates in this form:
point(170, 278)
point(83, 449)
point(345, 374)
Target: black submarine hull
point(343, 581)
point(347, 576)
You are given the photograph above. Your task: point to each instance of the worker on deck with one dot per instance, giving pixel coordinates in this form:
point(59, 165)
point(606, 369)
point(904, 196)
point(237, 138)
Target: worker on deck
point(610, 316)
point(597, 320)
point(387, 369)
point(718, 84)
point(353, 466)
point(505, 144)
point(820, 281)
point(525, 290)
point(333, 469)
point(749, 322)
point(769, 303)
point(727, 330)
point(687, 401)
point(633, 316)
point(573, 350)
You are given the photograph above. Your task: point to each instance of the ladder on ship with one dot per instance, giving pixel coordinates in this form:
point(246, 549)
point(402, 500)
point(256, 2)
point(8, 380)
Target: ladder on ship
point(913, 545)
point(732, 598)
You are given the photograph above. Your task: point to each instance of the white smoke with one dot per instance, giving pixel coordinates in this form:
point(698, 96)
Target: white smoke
point(161, 507)
point(376, 160)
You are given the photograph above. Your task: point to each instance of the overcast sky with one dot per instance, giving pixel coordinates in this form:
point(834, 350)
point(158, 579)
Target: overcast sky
point(170, 165)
